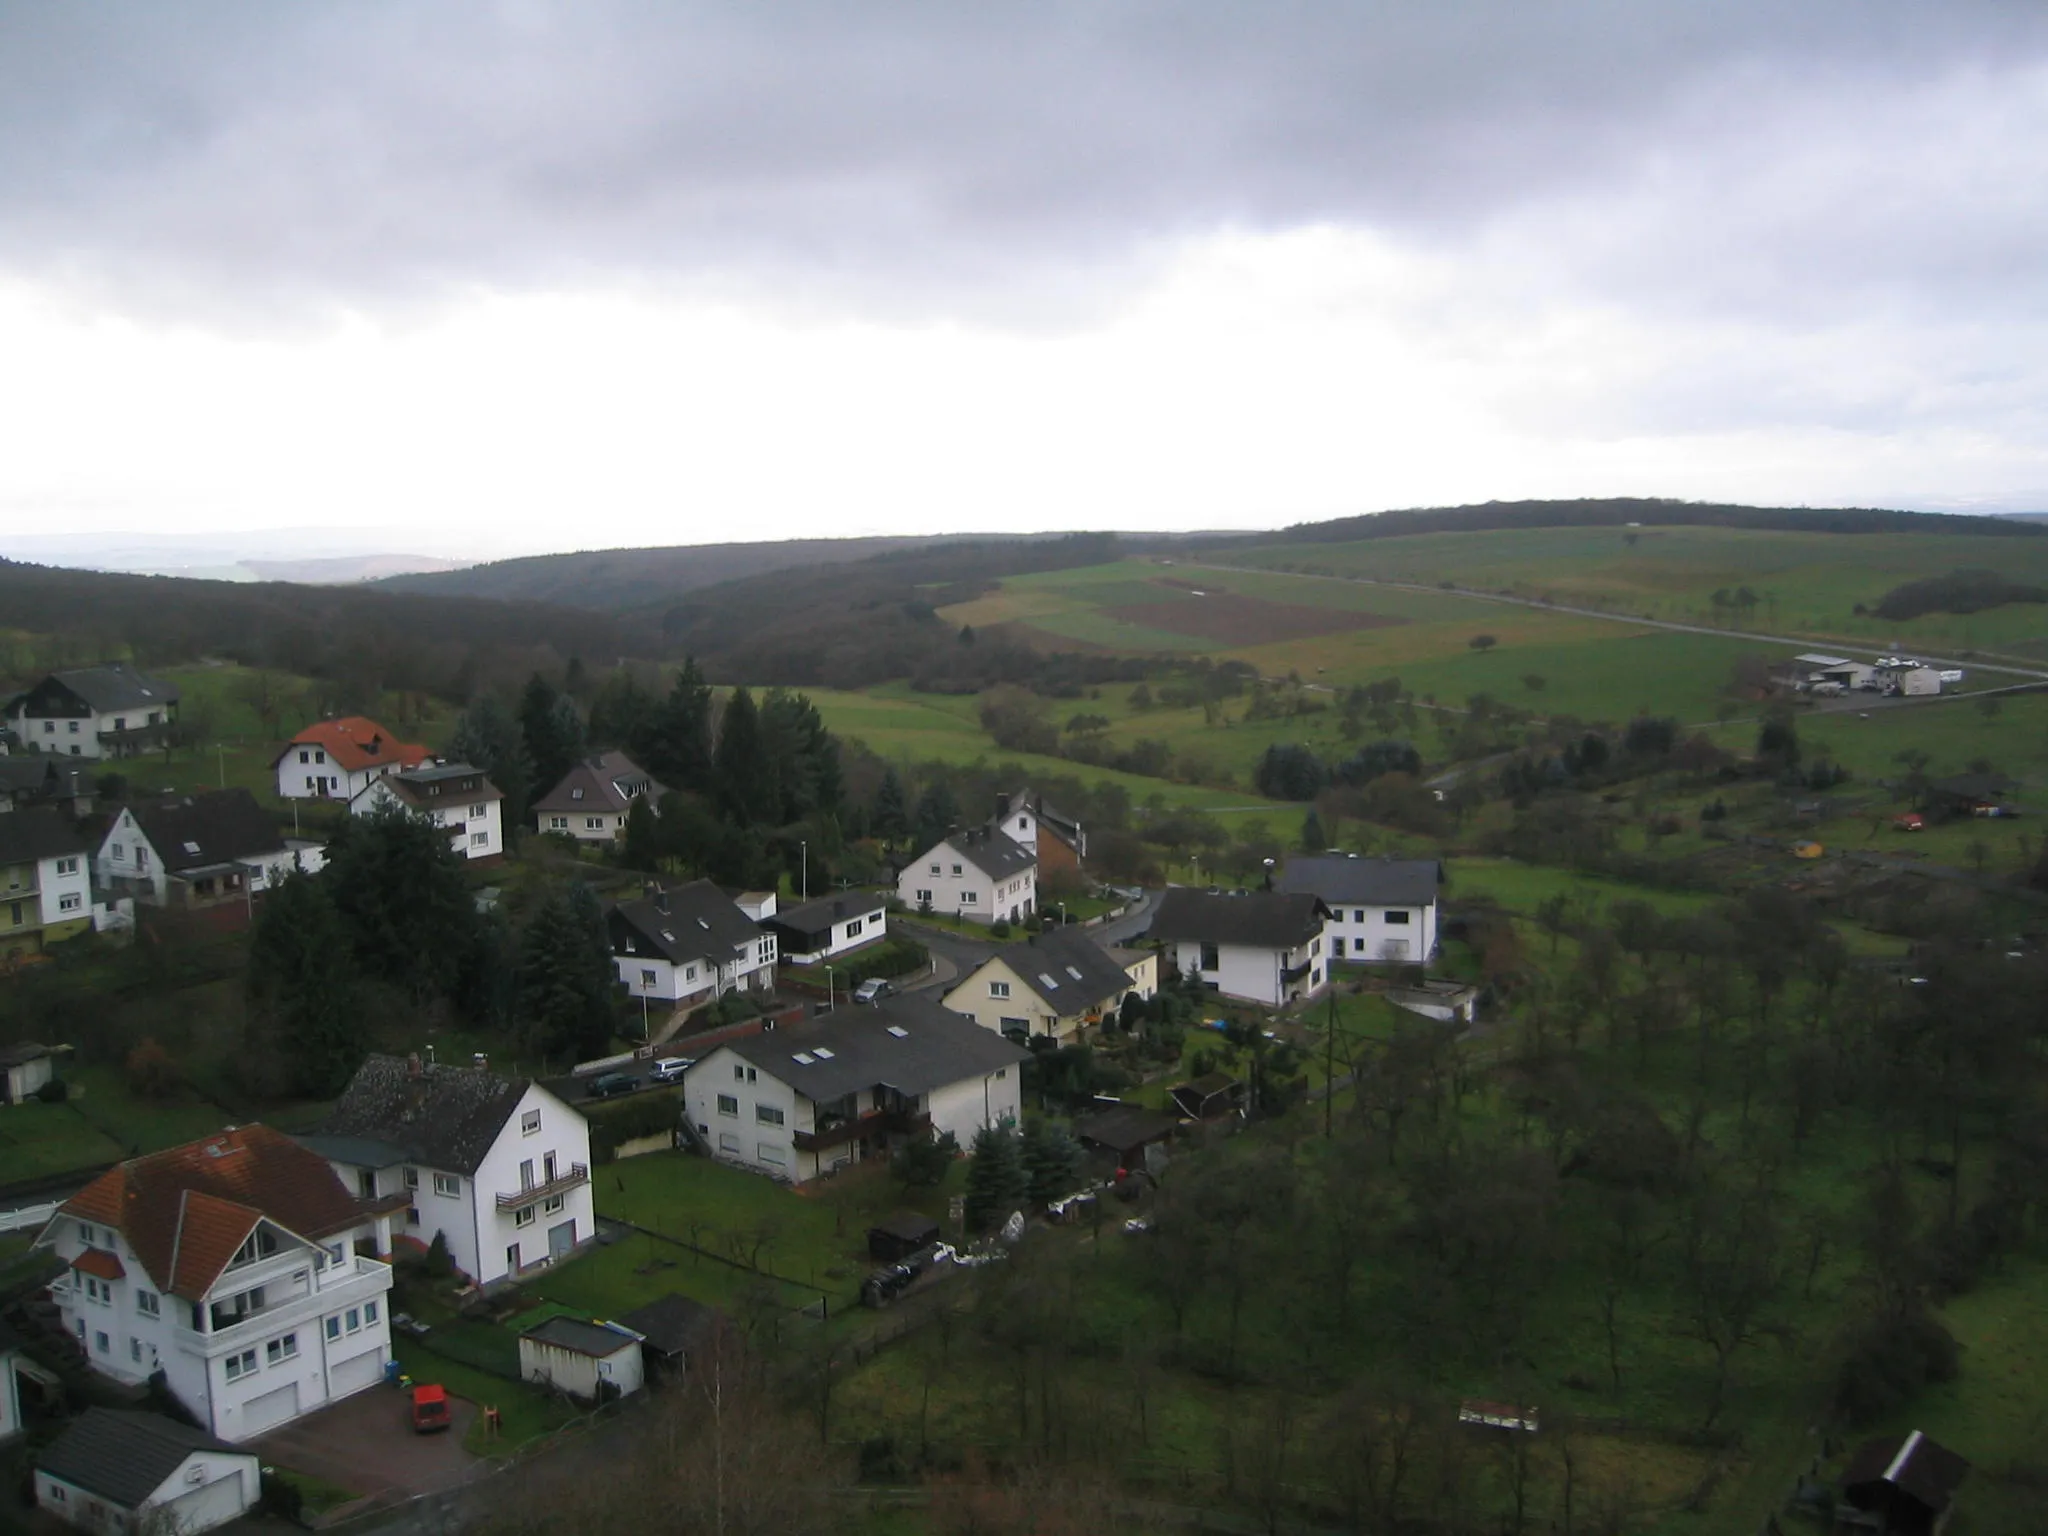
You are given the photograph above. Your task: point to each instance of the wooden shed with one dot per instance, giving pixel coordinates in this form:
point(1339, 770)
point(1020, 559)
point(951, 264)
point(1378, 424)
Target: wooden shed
point(900, 1234)
point(1900, 1485)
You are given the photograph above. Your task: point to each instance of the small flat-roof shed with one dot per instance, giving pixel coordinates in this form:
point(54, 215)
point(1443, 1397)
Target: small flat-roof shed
point(1125, 1131)
point(583, 1359)
point(900, 1234)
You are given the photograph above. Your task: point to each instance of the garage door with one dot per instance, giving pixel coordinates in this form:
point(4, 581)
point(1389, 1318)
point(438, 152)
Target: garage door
point(217, 1503)
point(356, 1373)
point(270, 1410)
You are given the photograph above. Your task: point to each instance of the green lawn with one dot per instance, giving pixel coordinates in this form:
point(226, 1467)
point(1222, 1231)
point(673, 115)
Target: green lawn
point(526, 1414)
point(38, 1139)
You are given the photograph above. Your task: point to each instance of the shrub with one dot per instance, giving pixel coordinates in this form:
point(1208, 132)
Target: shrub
point(439, 1263)
point(281, 1497)
point(55, 1091)
point(924, 1162)
point(999, 929)
point(1889, 1364)
point(898, 955)
point(152, 1074)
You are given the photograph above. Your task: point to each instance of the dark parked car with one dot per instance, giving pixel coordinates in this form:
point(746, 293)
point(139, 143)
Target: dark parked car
point(607, 1084)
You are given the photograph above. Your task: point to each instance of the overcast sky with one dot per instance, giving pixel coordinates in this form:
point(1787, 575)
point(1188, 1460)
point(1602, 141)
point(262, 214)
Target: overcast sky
point(480, 280)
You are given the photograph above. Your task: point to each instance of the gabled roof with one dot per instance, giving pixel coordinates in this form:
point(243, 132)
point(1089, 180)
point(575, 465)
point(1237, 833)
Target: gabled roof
point(909, 1044)
point(442, 1116)
point(1065, 827)
point(818, 916)
point(37, 832)
point(1342, 880)
point(187, 1209)
point(1923, 1469)
point(608, 782)
point(355, 742)
point(1259, 919)
point(124, 1455)
point(579, 1337)
point(696, 921)
point(115, 686)
point(1068, 971)
point(434, 785)
point(1125, 1128)
point(989, 851)
point(216, 826)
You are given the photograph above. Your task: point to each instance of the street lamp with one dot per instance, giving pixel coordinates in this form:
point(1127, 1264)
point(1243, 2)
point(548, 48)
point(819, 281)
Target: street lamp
point(830, 996)
point(806, 847)
point(1063, 912)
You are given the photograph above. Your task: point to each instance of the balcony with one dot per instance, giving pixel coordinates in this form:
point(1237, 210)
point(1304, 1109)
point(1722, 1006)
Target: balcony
point(560, 1184)
point(1293, 973)
point(837, 1130)
point(354, 1279)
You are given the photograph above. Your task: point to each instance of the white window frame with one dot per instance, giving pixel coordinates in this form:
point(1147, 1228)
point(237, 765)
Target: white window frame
point(529, 1123)
point(448, 1186)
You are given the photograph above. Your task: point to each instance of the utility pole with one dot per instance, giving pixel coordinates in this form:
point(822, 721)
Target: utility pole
point(1330, 1065)
point(806, 847)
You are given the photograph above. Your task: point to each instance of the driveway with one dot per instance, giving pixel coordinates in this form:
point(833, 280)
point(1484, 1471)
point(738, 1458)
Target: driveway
point(363, 1443)
point(957, 955)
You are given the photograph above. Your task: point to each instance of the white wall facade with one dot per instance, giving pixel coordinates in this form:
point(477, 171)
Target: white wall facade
point(852, 932)
point(320, 1331)
point(475, 827)
point(966, 1106)
point(79, 735)
point(1382, 934)
point(209, 1488)
point(578, 1374)
point(735, 1107)
point(66, 888)
point(949, 883)
point(592, 826)
point(306, 772)
point(1255, 974)
point(125, 854)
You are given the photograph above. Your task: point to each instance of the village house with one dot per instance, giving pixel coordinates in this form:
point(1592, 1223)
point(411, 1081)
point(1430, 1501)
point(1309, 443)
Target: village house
point(591, 801)
point(1051, 837)
point(45, 881)
point(339, 759)
point(1381, 910)
point(121, 1470)
point(853, 1084)
point(107, 711)
point(690, 943)
point(1262, 946)
point(201, 850)
point(239, 1266)
point(1052, 985)
point(498, 1167)
point(982, 875)
point(451, 795)
point(831, 926)
point(29, 778)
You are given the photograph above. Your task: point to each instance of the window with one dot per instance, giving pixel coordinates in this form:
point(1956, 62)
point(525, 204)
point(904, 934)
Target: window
point(97, 1291)
point(370, 1312)
point(646, 978)
point(277, 1351)
point(120, 854)
point(67, 866)
point(120, 722)
point(956, 871)
point(412, 1178)
point(261, 1244)
point(551, 1206)
point(1210, 959)
point(69, 903)
point(354, 1320)
point(767, 1114)
point(334, 1327)
point(241, 1365)
point(967, 898)
point(477, 810)
point(479, 839)
point(1399, 919)
point(728, 1104)
point(306, 757)
point(148, 1303)
point(135, 1350)
point(523, 1217)
point(102, 1343)
point(447, 1184)
point(1001, 1073)
point(924, 898)
point(729, 1141)
point(526, 1174)
point(87, 1234)
point(529, 1123)
point(593, 823)
point(73, 724)
point(768, 1152)
point(999, 989)
point(1358, 916)
point(853, 928)
point(49, 727)
point(558, 823)
point(739, 1074)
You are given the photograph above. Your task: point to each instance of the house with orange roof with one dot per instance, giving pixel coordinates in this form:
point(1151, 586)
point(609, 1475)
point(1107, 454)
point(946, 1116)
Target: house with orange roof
point(339, 759)
point(240, 1266)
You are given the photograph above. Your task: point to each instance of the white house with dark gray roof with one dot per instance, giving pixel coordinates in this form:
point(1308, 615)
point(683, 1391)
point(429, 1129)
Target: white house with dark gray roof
point(853, 1084)
point(1262, 946)
point(451, 795)
point(498, 1166)
point(984, 875)
point(592, 800)
point(119, 1469)
point(829, 927)
point(199, 850)
point(109, 711)
point(1381, 910)
point(687, 943)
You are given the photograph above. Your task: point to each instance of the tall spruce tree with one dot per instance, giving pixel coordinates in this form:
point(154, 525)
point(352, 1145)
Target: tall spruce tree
point(678, 744)
point(488, 736)
point(402, 898)
point(1052, 1160)
point(624, 715)
point(304, 991)
point(749, 781)
point(552, 731)
point(937, 813)
point(566, 978)
point(997, 1182)
point(891, 815)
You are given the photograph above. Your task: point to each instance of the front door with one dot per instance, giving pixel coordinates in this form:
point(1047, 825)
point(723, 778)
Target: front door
point(562, 1239)
point(512, 1259)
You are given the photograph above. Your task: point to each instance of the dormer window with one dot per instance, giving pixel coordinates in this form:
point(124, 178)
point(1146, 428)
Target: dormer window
point(575, 794)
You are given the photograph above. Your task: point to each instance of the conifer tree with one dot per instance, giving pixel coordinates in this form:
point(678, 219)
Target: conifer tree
point(1052, 1159)
point(304, 990)
point(997, 1183)
point(402, 899)
point(488, 737)
point(891, 816)
point(566, 977)
point(749, 783)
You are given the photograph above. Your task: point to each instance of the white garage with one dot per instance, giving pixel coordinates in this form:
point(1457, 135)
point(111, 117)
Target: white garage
point(355, 1373)
point(270, 1410)
point(118, 1466)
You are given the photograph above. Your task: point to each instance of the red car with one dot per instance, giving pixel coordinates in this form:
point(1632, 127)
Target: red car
point(429, 1410)
point(1912, 821)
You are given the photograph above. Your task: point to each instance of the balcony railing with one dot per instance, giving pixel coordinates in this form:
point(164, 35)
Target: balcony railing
point(837, 1132)
point(561, 1183)
point(1294, 973)
point(353, 1278)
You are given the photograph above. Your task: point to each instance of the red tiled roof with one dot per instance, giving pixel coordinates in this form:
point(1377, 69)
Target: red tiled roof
point(186, 1210)
point(97, 1261)
point(354, 742)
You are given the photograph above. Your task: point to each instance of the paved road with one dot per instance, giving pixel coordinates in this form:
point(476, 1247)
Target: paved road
point(1121, 930)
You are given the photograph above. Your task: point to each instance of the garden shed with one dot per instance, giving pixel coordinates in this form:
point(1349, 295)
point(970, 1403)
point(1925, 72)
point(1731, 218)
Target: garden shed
point(586, 1360)
point(900, 1234)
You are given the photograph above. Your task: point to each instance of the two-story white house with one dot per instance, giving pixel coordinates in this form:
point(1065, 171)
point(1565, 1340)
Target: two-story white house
point(498, 1167)
point(339, 759)
point(594, 797)
point(1380, 909)
point(108, 711)
point(983, 874)
point(240, 1267)
point(1053, 985)
point(199, 850)
point(451, 795)
point(831, 926)
point(687, 943)
point(45, 881)
point(852, 1084)
point(1263, 946)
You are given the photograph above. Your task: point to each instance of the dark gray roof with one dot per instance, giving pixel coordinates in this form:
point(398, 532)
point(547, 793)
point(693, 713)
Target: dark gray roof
point(124, 1455)
point(356, 1151)
point(216, 826)
point(114, 686)
point(992, 852)
point(579, 1337)
point(1125, 1128)
point(672, 1324)
point(37, 832)
point(1067, 970)
point(22, 1053)
point(23, 773)
point(1025, 799)
point(817, 916)
point(909, 1044)
point(608, 782)
point(1342, 880)
point(697, 921)
point(444, 1117)
point(1261, 919)
point(1912, 1463)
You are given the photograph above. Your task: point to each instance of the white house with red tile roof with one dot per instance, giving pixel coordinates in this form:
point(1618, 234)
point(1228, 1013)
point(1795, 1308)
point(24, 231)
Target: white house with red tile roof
point(339, 759)
point(232, 1265)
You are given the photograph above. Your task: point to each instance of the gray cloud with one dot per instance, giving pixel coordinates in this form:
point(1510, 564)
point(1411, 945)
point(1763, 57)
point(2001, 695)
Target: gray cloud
point(1006, 161)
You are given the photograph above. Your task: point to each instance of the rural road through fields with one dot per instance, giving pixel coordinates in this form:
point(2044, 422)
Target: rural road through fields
point(1634, 620)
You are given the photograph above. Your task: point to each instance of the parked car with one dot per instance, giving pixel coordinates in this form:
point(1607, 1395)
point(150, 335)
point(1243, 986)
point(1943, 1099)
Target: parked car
point(873, 990)
point(608, 1084)
point(429, 1409)
point(670, 1069)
